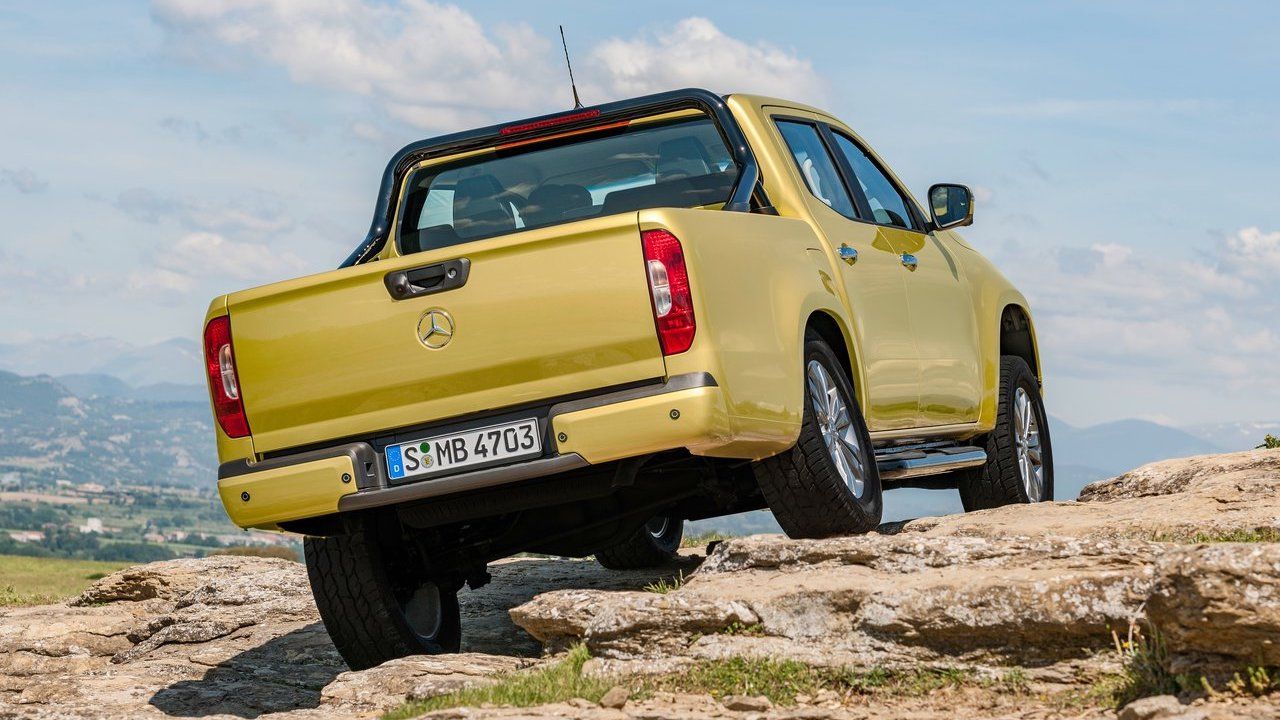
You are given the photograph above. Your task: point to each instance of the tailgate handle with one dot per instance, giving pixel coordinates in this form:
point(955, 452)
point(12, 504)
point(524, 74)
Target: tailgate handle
point(428, 279)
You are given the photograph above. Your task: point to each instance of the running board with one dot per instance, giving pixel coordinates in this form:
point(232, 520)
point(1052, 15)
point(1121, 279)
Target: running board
point(902, 463)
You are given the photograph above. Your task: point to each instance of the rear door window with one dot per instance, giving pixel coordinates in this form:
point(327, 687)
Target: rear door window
point(816, 166)
point(679, 163)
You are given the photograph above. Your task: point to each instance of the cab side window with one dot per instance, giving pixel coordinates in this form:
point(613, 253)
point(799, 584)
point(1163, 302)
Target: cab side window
point(888, 206)
point(816, 166)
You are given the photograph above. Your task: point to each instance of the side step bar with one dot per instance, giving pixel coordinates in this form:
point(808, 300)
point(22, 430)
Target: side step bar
point(898, 463)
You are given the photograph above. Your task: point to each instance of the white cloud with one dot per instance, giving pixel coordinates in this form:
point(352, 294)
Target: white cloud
point(1116, 312)
point(24, 180)
point(159, 279)
point(197, 257)
point(1113, 255)
point(429, 64)
point(258, 217)
point(434, 66)
point(204, 253)
point(696, 52)
point(1255, 253)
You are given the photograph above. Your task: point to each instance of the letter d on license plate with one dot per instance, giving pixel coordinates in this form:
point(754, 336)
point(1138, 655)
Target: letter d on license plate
point(488, 445)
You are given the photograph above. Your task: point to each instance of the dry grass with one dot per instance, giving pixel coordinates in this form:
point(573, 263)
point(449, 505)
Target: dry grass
point(782, 681)
point(43, 580)
point(266, 551)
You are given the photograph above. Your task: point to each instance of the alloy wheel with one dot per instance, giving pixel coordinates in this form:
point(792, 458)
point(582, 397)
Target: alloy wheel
point(657, 526)
point(1026, 436)
point(835, 423)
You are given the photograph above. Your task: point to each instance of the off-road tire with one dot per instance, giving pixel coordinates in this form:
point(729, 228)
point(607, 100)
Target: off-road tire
point(645, 548)
point(355, 579)
point(803, 485)
point(999, 481)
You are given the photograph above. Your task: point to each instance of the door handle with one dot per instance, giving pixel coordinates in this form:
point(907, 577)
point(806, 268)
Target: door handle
point(428, 279)
point(848, 254)
point(909, 261)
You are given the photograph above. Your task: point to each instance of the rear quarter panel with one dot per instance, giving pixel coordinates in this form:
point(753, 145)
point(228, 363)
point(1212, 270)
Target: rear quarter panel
point(755, 279)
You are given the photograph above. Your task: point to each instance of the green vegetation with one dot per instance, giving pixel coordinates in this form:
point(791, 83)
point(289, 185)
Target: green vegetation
point(666, 585)
point(782, 681)
point(123, 524)
point(68, 543)
point(737, 628)
point(556, 682)
point(35, 581)
point(1270, 442)
point(701, 540)
point(1256, 681)
point(1145, 673)
point(133, 552)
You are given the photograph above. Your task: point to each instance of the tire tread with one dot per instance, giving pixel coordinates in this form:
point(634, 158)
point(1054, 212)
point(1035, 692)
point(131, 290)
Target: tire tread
point(642, 550)
point(999, 481)
point(357, 604)
point(805, 493)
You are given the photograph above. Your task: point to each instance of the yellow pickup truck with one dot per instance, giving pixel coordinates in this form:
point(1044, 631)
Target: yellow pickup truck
point(570, 334)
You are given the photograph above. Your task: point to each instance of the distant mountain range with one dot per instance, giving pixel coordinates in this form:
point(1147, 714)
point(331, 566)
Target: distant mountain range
point(1083, 455)
point(89, 385)
point(174, 361)
point(48, 433)
point(140, 414)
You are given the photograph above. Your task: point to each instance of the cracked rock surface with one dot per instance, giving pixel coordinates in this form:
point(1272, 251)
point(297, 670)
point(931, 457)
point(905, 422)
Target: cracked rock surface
point(241, 637)
point(1038, 587)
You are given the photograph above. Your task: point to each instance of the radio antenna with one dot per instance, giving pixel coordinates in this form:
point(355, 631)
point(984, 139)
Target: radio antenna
point(577, 104)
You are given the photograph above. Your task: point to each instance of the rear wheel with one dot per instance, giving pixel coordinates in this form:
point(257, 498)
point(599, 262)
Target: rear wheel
point(376, 602)
point(1019, 467)
point(655, 544)
point(827, 483)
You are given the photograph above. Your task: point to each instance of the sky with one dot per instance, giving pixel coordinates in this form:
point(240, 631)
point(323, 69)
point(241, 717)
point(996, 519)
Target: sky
point(1125, 155)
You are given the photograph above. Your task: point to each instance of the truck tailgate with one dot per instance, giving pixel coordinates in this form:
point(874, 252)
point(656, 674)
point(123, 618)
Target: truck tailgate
point(543, 313)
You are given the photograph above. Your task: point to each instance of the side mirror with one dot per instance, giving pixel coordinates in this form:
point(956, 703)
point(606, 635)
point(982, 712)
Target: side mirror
point(951, 206)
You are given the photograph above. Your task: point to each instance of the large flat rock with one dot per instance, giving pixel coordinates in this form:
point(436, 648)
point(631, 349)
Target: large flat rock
point(1041, 587)
point(241, 637)
point(1170, 499)
point(872, 601)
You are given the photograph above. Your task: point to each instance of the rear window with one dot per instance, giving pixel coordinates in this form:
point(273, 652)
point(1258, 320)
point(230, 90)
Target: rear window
point(682, 163)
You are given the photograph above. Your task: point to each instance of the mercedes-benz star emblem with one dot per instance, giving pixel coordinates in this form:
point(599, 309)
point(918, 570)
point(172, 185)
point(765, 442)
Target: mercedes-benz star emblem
point(435, 328)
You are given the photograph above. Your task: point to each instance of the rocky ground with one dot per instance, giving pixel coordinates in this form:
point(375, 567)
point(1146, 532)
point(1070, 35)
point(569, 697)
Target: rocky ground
point(1019, 606)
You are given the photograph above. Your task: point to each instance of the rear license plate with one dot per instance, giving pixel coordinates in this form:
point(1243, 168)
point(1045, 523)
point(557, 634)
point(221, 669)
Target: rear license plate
point(486, 445)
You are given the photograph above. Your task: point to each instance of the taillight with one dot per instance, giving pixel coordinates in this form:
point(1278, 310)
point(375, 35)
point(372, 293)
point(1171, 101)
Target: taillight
point(669, 287)
point(224, 385)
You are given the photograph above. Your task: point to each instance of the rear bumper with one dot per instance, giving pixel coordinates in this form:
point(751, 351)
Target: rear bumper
point(688, 411)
